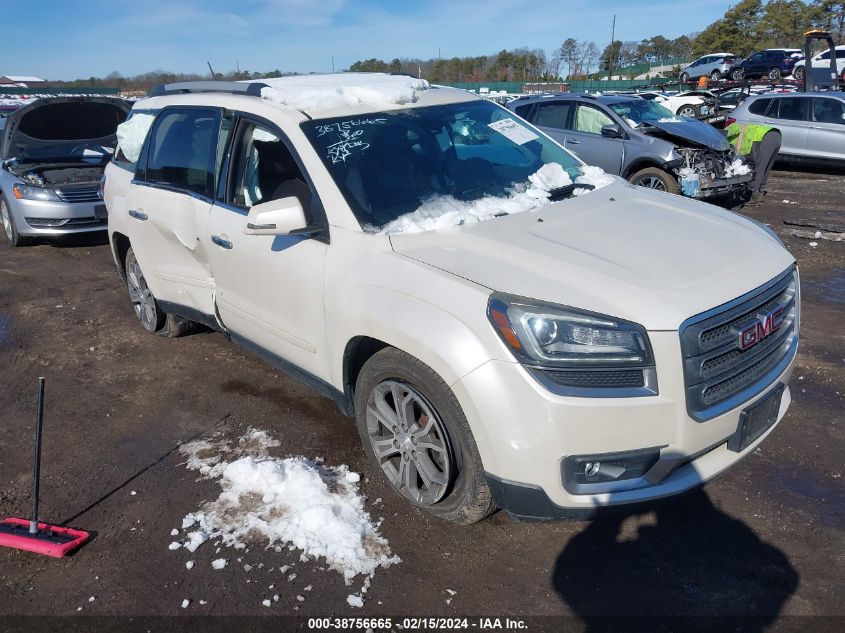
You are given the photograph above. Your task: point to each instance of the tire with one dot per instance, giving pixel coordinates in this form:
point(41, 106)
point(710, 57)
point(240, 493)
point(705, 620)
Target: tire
point(774, 74)
point(150, 314)
point(715, 75)
point(13, 236)
point(687, 111)
point(684, 78)
point(654, 178)
point(458, 491)
point(798, 74)
point(737, 74)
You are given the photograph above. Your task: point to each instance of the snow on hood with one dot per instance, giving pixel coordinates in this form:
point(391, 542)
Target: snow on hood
point(649, 257)
point(312, 93)
point(695, 133)
point(441, 212)
point(131, 135)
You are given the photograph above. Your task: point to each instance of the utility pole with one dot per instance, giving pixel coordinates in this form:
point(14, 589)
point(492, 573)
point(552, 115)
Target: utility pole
point(332, 64)
point(611, 54)
point(213, 76)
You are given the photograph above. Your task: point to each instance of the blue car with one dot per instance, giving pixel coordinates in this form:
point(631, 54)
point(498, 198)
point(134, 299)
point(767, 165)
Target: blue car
point(772, 63)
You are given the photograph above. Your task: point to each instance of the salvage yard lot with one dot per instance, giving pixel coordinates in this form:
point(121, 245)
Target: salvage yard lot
point(763, 539)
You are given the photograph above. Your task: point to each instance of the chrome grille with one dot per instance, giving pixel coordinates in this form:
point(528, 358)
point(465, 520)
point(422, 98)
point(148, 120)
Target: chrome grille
point(718, 374)
point(88, 193)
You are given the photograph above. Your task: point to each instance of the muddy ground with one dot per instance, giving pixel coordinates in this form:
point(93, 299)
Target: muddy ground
point(765, 539)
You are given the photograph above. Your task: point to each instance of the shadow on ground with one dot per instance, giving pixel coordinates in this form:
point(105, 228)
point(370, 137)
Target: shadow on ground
point(686, 560)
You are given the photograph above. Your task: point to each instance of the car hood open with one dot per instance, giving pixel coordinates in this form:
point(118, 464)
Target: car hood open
point(649, 257)
point(694, 133)
point(47, 125)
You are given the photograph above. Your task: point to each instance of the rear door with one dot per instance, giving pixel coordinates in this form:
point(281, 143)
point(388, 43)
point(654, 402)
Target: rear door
point(553, 118)
point(826, 136)
point(586, 141)
point(269, 288)
point(169, 202)
point(790, 115)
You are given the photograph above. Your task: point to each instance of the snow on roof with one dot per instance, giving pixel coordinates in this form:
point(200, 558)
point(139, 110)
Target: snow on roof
point(22, 78)
point(311, 93)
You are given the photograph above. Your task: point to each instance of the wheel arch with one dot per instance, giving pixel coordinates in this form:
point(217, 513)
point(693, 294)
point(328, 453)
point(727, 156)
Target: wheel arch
point(642, 163)
point(119, 247)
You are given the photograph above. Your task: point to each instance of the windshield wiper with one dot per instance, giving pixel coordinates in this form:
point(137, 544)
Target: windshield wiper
point(559, 193)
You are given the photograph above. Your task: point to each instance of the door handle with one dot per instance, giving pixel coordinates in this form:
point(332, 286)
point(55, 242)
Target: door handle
point(572, 141)
point(221, 242)
point(138, 215)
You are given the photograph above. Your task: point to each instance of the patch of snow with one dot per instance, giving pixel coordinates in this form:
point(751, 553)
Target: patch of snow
point(355, 600)
point(219, 563)
point(275, 597)
point(133, 493)
point(440, 212)
point(308, 588)
point(189, 564)
point(247, 567)
point(632, 123)
point(174, 532)
point(185, 603)
point(323, 92)
point(131, 134)
point(300, 598)
point(814, 243)
point(737, 168)
point(91, 599)
point(294, 501)
point(669, 119)
point(203, 602)
point(591, 175)
point(174, 545)
point(266, 603)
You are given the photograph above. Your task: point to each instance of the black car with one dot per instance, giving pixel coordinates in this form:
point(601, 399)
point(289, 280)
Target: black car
point(773, 63)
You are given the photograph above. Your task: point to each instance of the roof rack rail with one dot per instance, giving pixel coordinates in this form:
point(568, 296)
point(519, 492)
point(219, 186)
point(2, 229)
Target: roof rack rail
point(251, 89)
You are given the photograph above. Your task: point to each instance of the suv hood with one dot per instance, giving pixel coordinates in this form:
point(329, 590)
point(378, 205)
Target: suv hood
point(49, 126)
point(649, 257)
point(693, 133)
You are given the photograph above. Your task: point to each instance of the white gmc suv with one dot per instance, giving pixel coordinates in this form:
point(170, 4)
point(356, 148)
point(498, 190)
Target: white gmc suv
point(509, 327)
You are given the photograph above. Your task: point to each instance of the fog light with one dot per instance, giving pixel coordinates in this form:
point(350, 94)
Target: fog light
point(582, 472)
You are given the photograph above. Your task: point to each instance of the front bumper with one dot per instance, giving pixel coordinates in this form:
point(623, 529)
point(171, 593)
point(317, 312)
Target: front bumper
point(725, 186)
point(525, 433)
point(48, 218)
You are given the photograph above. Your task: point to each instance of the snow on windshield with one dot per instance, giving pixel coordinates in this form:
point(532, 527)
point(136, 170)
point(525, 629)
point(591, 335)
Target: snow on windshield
point(441, 212)
point(324, 92)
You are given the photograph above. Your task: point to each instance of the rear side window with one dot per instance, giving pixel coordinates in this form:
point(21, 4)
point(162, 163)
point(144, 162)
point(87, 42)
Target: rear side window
point(792, 109)
point(553, 115)
point(759, 106)
point(181, 151)
point(828, 111)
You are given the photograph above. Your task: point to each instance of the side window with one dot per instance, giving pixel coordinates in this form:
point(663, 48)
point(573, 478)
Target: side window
point(552, 115)
point(793, 109)
point(524, 111)
point(759, 106)
point(131, 135)
point(264, 169)
point(182, 150)
point(828, 111)
point(756, 57)
point(826, 55)
point(591, 120)
point(840, 53)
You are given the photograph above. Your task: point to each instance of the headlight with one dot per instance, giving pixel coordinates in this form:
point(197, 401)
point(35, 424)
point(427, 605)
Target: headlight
point(31, 192)
point(575, 352)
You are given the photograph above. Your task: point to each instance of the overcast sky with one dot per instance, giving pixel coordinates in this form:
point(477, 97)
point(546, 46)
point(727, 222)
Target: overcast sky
point(80, 38)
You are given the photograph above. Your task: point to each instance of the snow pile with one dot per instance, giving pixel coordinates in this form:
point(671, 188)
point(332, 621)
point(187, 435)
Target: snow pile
point(131, 134)
point(737, 168)
point(323, 92)
point(294, 501)
point(669, 119)
point(440, 212)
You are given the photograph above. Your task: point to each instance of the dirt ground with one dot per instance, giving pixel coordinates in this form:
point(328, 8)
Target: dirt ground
point(765, 539)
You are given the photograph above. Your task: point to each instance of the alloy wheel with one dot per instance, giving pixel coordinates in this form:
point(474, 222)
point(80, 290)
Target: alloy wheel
point(409, 442)
point(651, 182)
point(687, 112)
point(142, 299)
point(7, 221)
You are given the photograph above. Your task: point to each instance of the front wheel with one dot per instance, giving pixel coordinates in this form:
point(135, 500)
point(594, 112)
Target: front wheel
point(687, 111)
point(414, 430)
point(153, 319)
point(684, 78)
point(798, 74)
point(774, 74)
point(13, 237)
point(655, 178)
point(737, 74)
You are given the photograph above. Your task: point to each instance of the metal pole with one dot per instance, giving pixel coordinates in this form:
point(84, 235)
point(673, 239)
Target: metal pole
point(36, 473)
point(612, 41)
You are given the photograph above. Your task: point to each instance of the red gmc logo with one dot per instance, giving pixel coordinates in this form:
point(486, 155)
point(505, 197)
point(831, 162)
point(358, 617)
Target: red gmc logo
point(765, 324)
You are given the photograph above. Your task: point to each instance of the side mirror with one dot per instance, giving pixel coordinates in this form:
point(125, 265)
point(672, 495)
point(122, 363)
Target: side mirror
point(276, 217)
point(611, 131)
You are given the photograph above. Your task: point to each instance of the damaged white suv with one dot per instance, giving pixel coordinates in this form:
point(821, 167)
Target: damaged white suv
point(509, 327)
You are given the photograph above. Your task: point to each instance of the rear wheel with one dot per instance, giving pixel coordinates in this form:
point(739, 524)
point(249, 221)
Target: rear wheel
point(715, 75)
point(774, 74)
point(798, 74)
point(655, 178)
point(13, 237)
point(414, 430)
point(153, 319)
point(684, 78)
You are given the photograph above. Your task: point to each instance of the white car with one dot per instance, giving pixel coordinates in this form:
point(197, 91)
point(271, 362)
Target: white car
point(822, 61)
point(694, 106)
point(508, 326)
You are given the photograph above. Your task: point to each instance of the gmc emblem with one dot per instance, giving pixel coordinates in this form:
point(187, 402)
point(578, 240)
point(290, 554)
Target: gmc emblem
point(765, 324)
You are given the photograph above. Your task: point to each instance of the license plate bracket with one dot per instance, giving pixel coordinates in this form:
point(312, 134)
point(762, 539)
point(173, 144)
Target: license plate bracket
point(756, 420)
point(100, 212)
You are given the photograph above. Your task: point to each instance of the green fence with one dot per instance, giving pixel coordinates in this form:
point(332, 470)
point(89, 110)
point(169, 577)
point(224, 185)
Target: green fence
point(53, 90)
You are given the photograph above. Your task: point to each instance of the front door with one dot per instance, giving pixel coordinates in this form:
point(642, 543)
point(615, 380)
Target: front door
point(826, 136)
point(269, 288)
point(790, 115)
point(586, 141)
point(169, 204)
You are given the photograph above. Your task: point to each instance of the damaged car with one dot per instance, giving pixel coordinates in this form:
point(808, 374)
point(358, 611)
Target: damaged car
point(53, 152)
point(641, 141)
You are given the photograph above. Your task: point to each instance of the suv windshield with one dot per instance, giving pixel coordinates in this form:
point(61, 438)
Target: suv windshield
point(388, 164)
point(639, 111)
